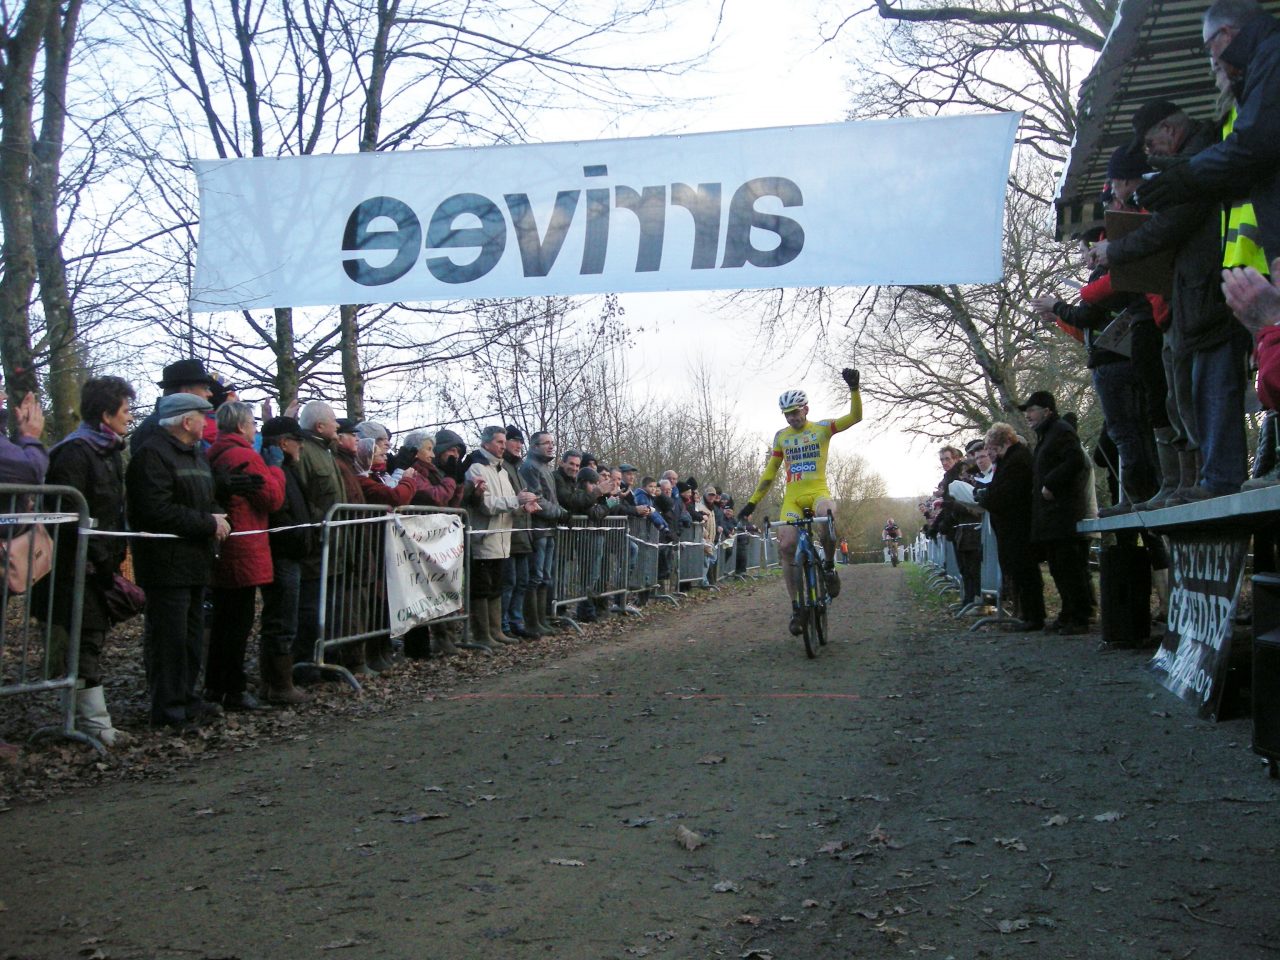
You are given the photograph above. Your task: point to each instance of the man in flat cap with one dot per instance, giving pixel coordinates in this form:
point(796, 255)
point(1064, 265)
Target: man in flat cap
point(169, 490)
point(181, 376)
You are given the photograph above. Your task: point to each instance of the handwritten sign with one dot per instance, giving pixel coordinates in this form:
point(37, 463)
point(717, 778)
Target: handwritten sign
point(426, 560)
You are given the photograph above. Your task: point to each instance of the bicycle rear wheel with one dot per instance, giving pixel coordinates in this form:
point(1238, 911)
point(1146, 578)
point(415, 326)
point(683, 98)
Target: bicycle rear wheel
point(808, 609)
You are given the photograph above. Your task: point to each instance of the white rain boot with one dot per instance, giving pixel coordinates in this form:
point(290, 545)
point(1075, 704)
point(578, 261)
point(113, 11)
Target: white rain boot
point(91, 707)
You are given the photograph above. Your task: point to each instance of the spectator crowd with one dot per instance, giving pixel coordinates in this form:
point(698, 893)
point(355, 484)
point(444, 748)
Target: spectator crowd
point(1182, 306)
point(218, 514)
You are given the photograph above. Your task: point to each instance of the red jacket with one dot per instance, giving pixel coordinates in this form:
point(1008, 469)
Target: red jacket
point(375, 491)
point(1267, 353)
point(246, 561)
point(433, 488)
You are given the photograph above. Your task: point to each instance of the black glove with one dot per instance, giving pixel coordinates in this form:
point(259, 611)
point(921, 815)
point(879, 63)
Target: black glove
point(1169, 189)
point(231, 483)
point(403, 458)
point(745, 510)
point(850, 377)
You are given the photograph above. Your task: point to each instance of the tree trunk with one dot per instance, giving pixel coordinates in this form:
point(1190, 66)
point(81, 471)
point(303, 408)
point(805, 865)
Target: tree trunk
point(286, 361)
point(68, 365)
point(352, 376)
point(19, 252)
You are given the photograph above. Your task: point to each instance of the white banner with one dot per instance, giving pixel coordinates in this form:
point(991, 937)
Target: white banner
point(425, 557)
point(881, 202)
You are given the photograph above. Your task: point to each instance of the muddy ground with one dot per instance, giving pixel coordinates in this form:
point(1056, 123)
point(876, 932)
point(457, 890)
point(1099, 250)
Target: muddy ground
point(915, 791)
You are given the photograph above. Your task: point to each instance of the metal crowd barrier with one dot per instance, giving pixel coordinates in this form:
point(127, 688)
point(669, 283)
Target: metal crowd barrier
point(353, 600)
point(576, 565)
point(36, 655)
point(991, 580)
point(692, 558)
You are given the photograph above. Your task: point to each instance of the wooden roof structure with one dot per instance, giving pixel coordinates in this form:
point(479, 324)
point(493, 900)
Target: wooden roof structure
point(1152, 53)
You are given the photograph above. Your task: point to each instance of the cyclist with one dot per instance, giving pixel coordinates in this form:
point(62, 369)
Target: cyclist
point(802, 445)
point(890, 537)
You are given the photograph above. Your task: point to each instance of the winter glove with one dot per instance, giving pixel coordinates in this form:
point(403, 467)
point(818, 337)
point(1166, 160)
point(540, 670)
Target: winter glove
point(747, 507)
point(1169, 189)
point(851, 377)
point(402, 459)
point(232, 483)
point(273, 456)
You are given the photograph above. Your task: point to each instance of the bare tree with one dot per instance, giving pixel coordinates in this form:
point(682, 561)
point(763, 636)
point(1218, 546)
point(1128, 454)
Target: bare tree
point(21, 34)
point(276, 77)
point(991, 54)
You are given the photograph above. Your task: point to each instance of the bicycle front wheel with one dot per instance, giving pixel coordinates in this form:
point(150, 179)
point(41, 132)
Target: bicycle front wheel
point(808, 607)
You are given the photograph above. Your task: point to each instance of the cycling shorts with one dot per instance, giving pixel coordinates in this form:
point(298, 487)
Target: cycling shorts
point(801, 496)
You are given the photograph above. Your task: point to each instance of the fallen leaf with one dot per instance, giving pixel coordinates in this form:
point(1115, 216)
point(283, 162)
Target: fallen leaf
point(688, 839)
point(343, 944)
point(868, 914)
point(809, 904)
point(1057, 820)
point(797, 862)
point(747, 919)
point(711, 758)
point(561, 862)
point(638, 821)
point(1111, 816)
point(1010, 843)
point(1101, 889)
point(419, 817)
point(725, 886)
point(766, 836)
point(1009, 926)
point(755, 953)
point(963, 841)
point(833, 846)
point(206, 812)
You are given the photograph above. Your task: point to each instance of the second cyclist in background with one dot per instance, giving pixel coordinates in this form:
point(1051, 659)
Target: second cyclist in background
point(802, 446)
point(891, 537)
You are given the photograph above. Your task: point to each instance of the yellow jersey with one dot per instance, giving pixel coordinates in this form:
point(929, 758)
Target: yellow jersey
point(804, 453)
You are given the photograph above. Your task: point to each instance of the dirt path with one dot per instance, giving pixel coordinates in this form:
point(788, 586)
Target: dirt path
point(916, 791)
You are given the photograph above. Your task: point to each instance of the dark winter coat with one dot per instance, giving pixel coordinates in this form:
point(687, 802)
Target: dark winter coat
point(1248, 160)
point(169, 489)
point(245, 560)
point(322, 487)
point(1061, 466)
point(299, 543)
point(1008, 501)
point(539, 477)
point(1193, 232)
point(97, 471)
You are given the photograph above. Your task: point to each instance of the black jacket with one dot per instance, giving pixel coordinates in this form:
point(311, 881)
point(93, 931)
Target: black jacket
point(1250, 156)
point(296, 545)
point(1093, 318)
point(98, 473)
point(1008, 500)
point(1193, 231)
point(170, 490)
point(1061, 466)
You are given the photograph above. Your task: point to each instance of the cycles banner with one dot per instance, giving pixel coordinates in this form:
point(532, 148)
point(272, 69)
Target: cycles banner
point(1204, 587)
point(425, 555)
point(878, 202)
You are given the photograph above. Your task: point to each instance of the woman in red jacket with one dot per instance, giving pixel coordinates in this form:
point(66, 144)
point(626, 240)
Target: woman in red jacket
point(245, 561)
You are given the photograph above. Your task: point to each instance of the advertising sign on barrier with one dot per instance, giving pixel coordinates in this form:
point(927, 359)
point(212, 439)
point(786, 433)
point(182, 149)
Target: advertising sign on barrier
point(425, 559)
point(1204, 585)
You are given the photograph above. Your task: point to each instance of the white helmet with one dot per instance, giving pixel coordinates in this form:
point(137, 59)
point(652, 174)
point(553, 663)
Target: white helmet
point(792, 400)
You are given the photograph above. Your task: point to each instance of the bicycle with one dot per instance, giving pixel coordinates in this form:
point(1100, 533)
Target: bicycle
point(891, 544)
point(812, 598)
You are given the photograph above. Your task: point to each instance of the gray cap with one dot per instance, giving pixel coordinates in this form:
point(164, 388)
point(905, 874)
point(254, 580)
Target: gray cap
point(176, 404)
